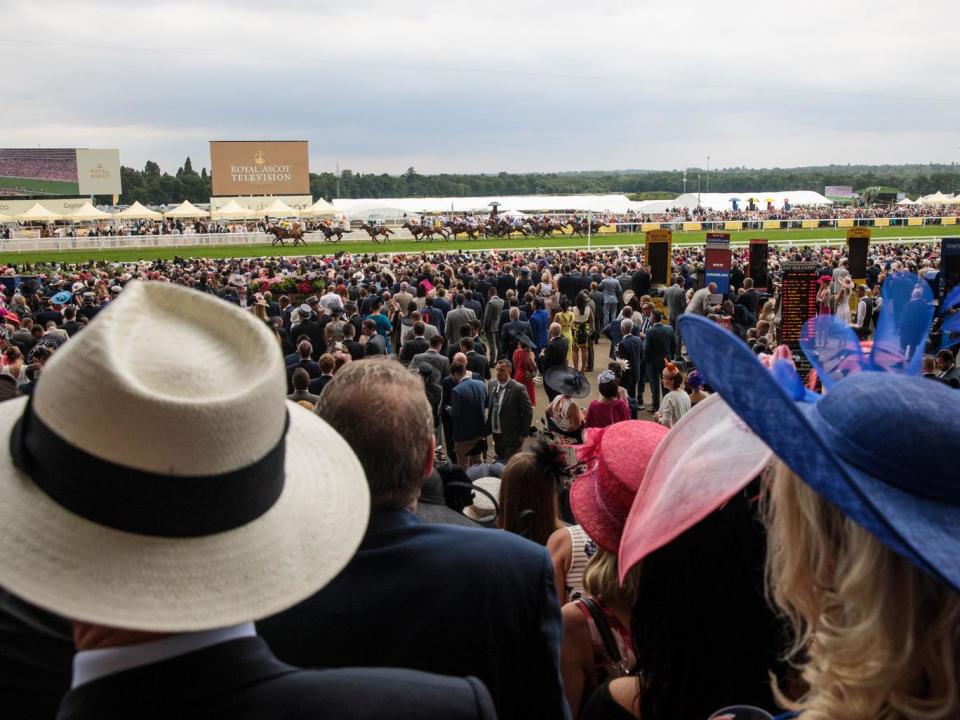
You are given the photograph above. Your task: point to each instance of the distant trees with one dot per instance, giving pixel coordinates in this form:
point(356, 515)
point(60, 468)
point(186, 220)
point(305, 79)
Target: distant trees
point(152, 186)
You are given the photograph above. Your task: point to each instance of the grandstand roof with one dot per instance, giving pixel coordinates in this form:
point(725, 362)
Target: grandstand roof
point(522, 203)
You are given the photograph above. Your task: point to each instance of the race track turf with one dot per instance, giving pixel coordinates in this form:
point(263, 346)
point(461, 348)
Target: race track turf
point(819, 236)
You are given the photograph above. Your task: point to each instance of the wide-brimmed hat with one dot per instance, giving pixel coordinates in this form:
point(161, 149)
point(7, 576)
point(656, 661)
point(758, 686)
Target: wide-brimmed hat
point(62, 297)
point(567, 381)
point(484, 509)
point(705, 459)
point(151, 489)
point(616, 457)
point(523, 339)
point(840, 445)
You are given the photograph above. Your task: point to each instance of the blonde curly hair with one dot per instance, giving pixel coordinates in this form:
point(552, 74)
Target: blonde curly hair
point(875, 637)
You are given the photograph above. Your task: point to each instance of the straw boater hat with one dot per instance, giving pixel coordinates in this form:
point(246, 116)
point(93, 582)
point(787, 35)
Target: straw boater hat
point(154, 489)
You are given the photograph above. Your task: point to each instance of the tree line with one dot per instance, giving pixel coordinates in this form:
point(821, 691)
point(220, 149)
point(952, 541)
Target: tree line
point(154, 187)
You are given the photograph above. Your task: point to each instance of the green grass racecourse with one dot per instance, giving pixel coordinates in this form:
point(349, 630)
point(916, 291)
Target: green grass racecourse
point(45, 187)
point(514, 243)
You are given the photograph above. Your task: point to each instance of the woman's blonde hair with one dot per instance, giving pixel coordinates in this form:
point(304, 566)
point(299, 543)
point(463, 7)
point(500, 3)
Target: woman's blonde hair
point(601, 580)
point(875, 638)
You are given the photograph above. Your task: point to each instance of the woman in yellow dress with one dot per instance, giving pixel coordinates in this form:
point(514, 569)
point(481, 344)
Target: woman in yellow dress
point(565, 318)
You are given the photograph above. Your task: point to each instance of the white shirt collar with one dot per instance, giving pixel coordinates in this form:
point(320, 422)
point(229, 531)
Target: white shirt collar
point(90, 665)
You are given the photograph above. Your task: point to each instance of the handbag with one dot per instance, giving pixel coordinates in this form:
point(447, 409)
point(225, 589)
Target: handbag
point(606, 636)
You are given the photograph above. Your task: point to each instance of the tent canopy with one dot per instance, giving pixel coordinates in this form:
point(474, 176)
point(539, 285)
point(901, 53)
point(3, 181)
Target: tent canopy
point(278, 209)
point(721, 201)
point(937, 198)
point(37, 213)
point(186, 209)
point(234, 211)
point(530, 204)
point(320, 207)
point(138, 212)
point(87, 212)
point(906, 201)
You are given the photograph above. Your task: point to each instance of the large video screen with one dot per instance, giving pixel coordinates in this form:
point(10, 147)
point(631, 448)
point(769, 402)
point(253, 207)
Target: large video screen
point(259, 168)
point(37, 172)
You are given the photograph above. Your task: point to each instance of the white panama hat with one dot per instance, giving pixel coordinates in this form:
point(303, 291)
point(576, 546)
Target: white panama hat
point(158, 480)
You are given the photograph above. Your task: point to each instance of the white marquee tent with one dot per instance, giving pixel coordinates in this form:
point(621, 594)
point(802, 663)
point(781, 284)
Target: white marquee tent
point(724, 201)
point(38, 213)
point(278, 209)
point(320, 208)
point(522, 203)
point(138, 212)
point(937, 198)
point(234, 211)
point(186, 209)
point(87, 212)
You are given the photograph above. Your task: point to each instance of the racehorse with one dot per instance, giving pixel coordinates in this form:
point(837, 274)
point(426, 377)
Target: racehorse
point(282, 234)
point(544, 227)
point(502, 227)
point(424, 232)
point(330, 231)
point(374, 231)
point(456, 228)
point(580, 227)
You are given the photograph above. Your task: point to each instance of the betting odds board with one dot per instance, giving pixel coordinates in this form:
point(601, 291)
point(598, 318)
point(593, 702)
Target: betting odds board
point(798, 300)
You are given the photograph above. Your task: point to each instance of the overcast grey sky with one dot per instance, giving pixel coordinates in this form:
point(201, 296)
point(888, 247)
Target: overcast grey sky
point(464, 86)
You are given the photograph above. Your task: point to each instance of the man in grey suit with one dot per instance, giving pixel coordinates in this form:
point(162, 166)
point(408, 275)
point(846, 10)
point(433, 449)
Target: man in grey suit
point(457, 319)
point(509, 412)
point(675, 301)
point(491, 322)
point(434, 357)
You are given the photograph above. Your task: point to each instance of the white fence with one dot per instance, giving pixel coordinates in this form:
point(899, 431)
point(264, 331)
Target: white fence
point(133, 241)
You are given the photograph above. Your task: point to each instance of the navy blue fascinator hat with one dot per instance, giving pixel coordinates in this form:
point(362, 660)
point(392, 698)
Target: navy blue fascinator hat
point(882, 445)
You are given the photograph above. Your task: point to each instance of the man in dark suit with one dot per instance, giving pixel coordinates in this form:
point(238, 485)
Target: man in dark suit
point(749, 299)
point(630, 348)
point(947, 371)
point(555, 353)
point(472, 303)
point(659, 346)
point(309, 326)
point(373, 344)
point(476, 362)
point(468, 404)
point(509, 412)
point(415, 346)
point(304, 350)
point(192, 653)
point(509, 332)
point(460, 600)
point(505, 281)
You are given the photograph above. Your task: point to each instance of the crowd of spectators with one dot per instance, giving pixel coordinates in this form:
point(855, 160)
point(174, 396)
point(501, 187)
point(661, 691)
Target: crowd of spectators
point(45, 164)
point(604, 561)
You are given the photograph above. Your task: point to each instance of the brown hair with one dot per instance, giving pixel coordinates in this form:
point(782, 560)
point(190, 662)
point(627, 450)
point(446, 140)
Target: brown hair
point(393, 452)
point(525, 487)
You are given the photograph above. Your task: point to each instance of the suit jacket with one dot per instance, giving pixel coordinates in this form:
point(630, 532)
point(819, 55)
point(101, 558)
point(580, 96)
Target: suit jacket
point(413, 347)
point(516, 412)
point(375, 345)
point(555, 353)
point(540, 323)
point(951, 377)
point(660, 345)
point(478, 363)
point(439, 361)
point(468, 404)
point(242, 679)
point(630, 348)
point(508, 342)
point(676, 301)
point(455, 321)
point(312, 329)
point(491, 314)
point(460, 600)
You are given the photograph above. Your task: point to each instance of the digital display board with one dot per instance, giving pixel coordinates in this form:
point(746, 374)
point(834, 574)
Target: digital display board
point(858, 247)
point(38, 172)
point(798, 300)
point(717, 261)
